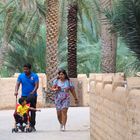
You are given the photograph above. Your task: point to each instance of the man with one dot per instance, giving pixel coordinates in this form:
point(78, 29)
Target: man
point(30, 83)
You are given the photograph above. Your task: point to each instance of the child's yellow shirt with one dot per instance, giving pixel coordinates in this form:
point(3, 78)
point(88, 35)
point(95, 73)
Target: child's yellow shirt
point(22, 109)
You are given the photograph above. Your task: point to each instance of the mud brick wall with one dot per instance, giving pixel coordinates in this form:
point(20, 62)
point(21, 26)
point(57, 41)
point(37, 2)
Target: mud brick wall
point(114, 107)
point(7, 89)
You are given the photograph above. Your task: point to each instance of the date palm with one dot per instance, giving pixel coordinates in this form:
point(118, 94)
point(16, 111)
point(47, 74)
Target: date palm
point(108, 39)
point(19, 16)
point(125, 20)
point(72, 39)
point(52, 25)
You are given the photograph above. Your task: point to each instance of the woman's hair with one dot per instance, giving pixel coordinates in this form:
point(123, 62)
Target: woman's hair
point(64, 72)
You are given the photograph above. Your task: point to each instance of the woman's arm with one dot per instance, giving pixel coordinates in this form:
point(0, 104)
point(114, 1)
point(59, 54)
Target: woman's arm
point(72, 90)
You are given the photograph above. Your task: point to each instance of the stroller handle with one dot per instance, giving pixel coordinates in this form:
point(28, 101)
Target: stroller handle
point(16, 103)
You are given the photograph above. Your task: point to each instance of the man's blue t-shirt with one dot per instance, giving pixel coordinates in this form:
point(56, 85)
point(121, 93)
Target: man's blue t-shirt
point(28, 83)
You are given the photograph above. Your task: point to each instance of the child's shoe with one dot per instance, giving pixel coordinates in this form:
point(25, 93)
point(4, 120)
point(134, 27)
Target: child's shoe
point(18, 124)
point(24, 124)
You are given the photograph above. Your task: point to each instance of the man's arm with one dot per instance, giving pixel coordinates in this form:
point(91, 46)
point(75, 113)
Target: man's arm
point(36, 87)
point(17, 88)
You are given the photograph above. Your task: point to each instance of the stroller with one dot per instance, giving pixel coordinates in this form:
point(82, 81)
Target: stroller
point(21, 124)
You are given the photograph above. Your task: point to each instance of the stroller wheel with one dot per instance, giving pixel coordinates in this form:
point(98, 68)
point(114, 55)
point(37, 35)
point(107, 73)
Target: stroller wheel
point(28, 129)
point(22, 129)
point(15, 130)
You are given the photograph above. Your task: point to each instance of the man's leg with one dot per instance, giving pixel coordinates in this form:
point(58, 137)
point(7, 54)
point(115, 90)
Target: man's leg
point(32, 100)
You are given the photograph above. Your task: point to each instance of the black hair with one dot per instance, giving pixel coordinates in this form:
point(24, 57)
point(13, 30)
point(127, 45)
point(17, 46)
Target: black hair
point(21, 100)
point(28, 65)
point(64, 72)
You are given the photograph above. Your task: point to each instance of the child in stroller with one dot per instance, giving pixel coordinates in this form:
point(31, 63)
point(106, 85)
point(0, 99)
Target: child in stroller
point(21, 115)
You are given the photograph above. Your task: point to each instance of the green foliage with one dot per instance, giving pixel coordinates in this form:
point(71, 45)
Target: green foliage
point(88, 44)
point(4, 72)
point(125, 19)
point(23, 29)
point(126, 61)
point(27, 19)
point(21, 53)
point(26, 33)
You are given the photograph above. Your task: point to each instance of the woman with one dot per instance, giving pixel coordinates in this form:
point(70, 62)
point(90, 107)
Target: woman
point(62, 85)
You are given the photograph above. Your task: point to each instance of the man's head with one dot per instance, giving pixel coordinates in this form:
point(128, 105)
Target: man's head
point(22, 101)
point(27, 68)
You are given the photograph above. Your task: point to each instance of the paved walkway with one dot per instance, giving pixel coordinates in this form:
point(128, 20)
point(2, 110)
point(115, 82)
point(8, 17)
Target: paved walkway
point(48, 126)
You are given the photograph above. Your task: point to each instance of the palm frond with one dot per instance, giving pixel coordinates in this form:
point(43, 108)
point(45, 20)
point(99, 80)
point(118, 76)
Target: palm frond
point(125, 19)
point(16, 17)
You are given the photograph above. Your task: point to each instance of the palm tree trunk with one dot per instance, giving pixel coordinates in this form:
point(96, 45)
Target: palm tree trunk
point(109, 41)
point(52, 23)
point(72, 40)
point(4, 1)
point(3, 51)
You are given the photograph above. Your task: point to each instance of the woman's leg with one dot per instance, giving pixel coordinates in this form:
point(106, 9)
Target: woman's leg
point(59, 116)
point(65, 106)
point(64, 116)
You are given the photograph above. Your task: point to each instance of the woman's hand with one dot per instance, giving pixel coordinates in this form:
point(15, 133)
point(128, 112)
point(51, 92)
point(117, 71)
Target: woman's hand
point(76, 101)
point(55, 88)
point(66, 90)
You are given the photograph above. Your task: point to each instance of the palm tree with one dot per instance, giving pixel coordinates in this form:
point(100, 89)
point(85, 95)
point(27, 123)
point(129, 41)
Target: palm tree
point(108, 39)
point(4, 1)
point(72, 39)
point(52, 25)
point(21, 52)
point(3, 50)
point(75, 9)
point(125, 20)
point(81, 18)
point(3, 43)
point(18, 16)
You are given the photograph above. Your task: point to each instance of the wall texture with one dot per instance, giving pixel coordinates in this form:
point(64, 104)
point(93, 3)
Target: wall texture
point(114, 107)
point(7, 88)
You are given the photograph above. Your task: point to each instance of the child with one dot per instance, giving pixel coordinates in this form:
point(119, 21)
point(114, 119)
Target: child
point(21, 114)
